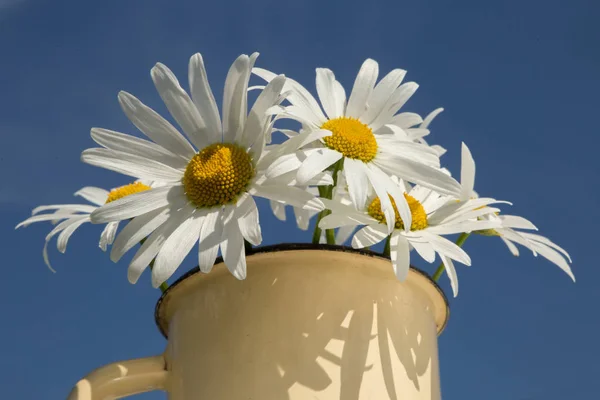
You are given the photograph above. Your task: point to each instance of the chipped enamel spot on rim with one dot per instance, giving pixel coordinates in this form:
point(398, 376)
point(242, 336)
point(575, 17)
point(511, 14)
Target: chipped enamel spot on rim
point(126, 190)
point(419, 216)
point(218, 175)
point(351, 137)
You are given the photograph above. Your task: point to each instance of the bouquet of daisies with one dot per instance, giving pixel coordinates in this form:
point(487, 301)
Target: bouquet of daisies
point(358, 165)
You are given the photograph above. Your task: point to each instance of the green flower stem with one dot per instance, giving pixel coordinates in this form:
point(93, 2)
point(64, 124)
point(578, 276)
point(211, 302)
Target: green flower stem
point(459, 242)
point(323, 192)
point(386, 249)
point(327, 193)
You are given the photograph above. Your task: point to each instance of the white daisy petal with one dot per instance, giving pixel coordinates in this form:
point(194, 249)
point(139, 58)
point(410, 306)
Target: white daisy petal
point(131, 165)
point(180, 105)
point(463, 226)
point(343, 234)
point(446, 248)
point(234, 98)
point(357, 180)
point(544, 240)
point(278, 210)
point(511, 247)
point(303, 115)
point(424, 248)
point(452, 275)
point(362, 89)
point(203, 98)
point(154, 126)
point(554, 257)
point(210, 239)
point(257, 117)
point(246, 214)
point(381, 94)
point(380, 184)
point(45, 217)
point(154, 243)
point(258, 146)
point(283, 165)
point(108, 235)
point(467, 173)
point(452, 208)
point(430, 117)
point(407, 150)
point(289, 147)
point(132, 145)
point(93, 194)
point(418, 133)
point(418, 173)
point(137, 204)
point(136, 230)
point(333, 221)
point(65, 208)
point(46, 258)
point(322, 179)
point(232, 247)
point(299, 96)
point(400, 256)
point(465, 214)
point(290, 195)
point(513, 221)
point(57, 229)
point(369, 236)
point(397, 193)
point(303, 217)
point(516, 237)
point(176, 248)
point(394, 103)
point(406, 120)
point(420, 193)
point(438, 149)
point(325, 89)
point(63, 238)
point(339, 97)
point(316, 163)
point(392, 133)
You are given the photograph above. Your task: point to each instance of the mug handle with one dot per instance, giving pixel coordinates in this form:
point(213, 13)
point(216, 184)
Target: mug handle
point(121, 379)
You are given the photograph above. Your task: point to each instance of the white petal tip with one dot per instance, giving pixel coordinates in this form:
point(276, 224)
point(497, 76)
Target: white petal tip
point(132, 278)
point(239, 275)
point(205, 269)
point(156, 284)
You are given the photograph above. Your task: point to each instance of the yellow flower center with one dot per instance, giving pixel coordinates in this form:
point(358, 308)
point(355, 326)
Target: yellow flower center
point(419, 217)
point(351, 137)
point(126, 190)
point(217, 175)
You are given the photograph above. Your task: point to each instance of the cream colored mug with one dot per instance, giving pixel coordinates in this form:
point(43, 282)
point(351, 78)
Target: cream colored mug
point(309, 322)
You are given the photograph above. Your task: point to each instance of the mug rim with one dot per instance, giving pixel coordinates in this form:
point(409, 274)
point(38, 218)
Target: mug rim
point(292, 247)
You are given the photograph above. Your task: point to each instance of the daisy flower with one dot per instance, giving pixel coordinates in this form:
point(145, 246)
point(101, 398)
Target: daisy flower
point(430, 221)
point(512, 226)
point(69, 217)
point(210, 179)
point(359, 132)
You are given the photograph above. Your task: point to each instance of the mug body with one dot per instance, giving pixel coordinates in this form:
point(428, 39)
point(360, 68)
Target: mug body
point(309, 322)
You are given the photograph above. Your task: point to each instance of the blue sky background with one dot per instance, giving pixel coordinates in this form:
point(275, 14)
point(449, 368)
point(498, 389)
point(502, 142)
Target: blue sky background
point(519, 81)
